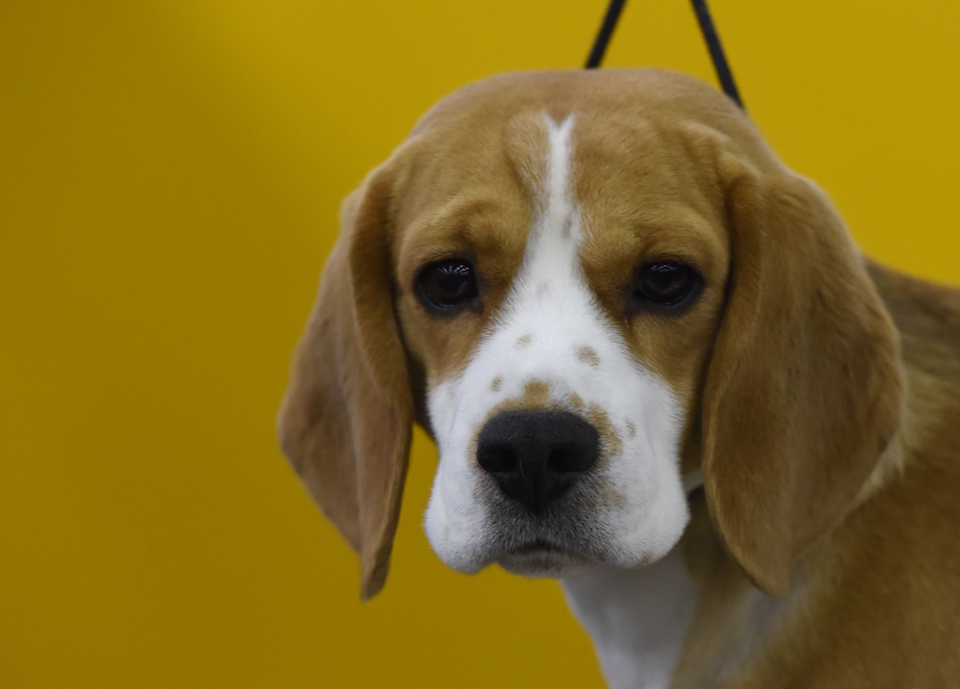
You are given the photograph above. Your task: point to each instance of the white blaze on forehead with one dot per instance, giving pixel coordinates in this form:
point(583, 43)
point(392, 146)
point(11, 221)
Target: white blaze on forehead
point(558, 214)
point(550, 271)
point(551, 331)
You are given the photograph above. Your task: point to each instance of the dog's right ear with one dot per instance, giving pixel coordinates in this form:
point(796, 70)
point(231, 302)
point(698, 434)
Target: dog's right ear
point(345, 421)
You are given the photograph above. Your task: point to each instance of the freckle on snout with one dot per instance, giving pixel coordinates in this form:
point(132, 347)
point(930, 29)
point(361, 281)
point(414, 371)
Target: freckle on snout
point(524, 341)
point(608, 434)
point(588, 355)
point(631, 429)
point(536, 393)
point(496, 384)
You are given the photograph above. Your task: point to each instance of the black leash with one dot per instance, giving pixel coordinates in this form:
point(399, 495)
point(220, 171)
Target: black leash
point(706, 27)
point(606, 31)
point(716, 51)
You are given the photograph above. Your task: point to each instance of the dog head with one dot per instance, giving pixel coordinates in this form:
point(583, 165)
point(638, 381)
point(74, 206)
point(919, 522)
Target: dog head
point(595, 290)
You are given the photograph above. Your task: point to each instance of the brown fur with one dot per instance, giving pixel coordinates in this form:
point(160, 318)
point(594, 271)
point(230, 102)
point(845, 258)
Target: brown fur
point(345, 422)
point(830, 457)
point(876, 602)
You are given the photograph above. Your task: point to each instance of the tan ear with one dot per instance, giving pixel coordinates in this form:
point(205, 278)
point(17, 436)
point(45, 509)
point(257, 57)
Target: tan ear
point(345, 421)
point(804, 387)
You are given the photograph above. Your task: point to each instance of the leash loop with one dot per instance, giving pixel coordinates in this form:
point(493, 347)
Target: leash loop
point(707, 28)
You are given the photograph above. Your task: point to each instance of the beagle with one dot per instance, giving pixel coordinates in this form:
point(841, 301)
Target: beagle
point(657, 369)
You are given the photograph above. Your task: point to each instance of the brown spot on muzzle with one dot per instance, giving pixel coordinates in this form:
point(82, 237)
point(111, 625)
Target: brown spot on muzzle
point(611, 497)
point(524, 341)
point(609, 438)
point(536, 394)
point(588, 355)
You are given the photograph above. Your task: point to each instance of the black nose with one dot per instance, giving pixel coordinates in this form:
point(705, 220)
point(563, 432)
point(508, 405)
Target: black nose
point(535, 456)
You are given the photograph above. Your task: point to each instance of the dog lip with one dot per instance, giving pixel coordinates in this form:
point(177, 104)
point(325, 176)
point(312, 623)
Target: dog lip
point(539, 547)
point(541, 558)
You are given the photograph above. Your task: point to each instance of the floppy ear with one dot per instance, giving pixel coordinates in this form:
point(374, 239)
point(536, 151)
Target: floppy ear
point(345, 421)
point(804, 387)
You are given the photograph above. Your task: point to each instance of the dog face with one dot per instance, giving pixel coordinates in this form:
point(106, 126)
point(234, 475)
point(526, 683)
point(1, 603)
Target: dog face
point(580, 336)
point(590, 288)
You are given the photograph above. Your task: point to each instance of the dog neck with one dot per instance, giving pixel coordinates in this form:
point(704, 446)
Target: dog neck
point(683, 621)
point(638, 619)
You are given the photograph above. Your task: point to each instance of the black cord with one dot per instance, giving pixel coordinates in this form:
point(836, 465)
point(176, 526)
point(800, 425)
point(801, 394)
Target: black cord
point(606, 31)
point(716, 51)
point(706, 28)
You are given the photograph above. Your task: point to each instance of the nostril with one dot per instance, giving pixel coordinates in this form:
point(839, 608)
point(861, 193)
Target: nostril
point(497, 459)
point(571, 458)
point(561, 460)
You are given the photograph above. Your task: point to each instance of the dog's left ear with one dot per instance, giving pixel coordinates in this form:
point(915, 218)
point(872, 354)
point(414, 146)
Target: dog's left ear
point(804, 387)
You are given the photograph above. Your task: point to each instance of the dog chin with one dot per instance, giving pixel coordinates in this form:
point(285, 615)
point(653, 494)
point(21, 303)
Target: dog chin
point(544, 561)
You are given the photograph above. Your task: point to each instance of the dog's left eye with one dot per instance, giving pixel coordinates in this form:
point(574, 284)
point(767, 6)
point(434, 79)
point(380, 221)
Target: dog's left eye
point(665, 286)
point(447, 286)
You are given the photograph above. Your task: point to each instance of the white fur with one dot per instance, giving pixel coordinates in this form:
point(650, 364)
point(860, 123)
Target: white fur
point(549, 315)
point(638, 619)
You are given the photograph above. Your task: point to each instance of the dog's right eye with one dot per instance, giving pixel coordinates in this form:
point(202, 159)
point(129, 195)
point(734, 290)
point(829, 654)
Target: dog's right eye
point(447, 286)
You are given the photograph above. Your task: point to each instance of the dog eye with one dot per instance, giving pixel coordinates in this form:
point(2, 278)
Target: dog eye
point(447, 286)
point(665, 285)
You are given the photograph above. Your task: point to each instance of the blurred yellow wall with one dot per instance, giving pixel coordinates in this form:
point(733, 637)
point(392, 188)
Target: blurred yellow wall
point(169, 180)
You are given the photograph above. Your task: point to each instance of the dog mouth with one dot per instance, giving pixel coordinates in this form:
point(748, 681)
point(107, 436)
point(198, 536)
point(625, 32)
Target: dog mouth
point(538, 546)
point(542, 558)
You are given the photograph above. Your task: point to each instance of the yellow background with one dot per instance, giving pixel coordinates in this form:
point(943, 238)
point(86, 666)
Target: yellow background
point(169, 180)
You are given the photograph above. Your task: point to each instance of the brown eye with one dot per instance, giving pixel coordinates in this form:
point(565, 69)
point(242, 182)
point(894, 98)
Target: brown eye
point(665, 286)
point(447, 286)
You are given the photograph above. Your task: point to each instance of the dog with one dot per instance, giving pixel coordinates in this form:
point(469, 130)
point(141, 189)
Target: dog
point(657, 369)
